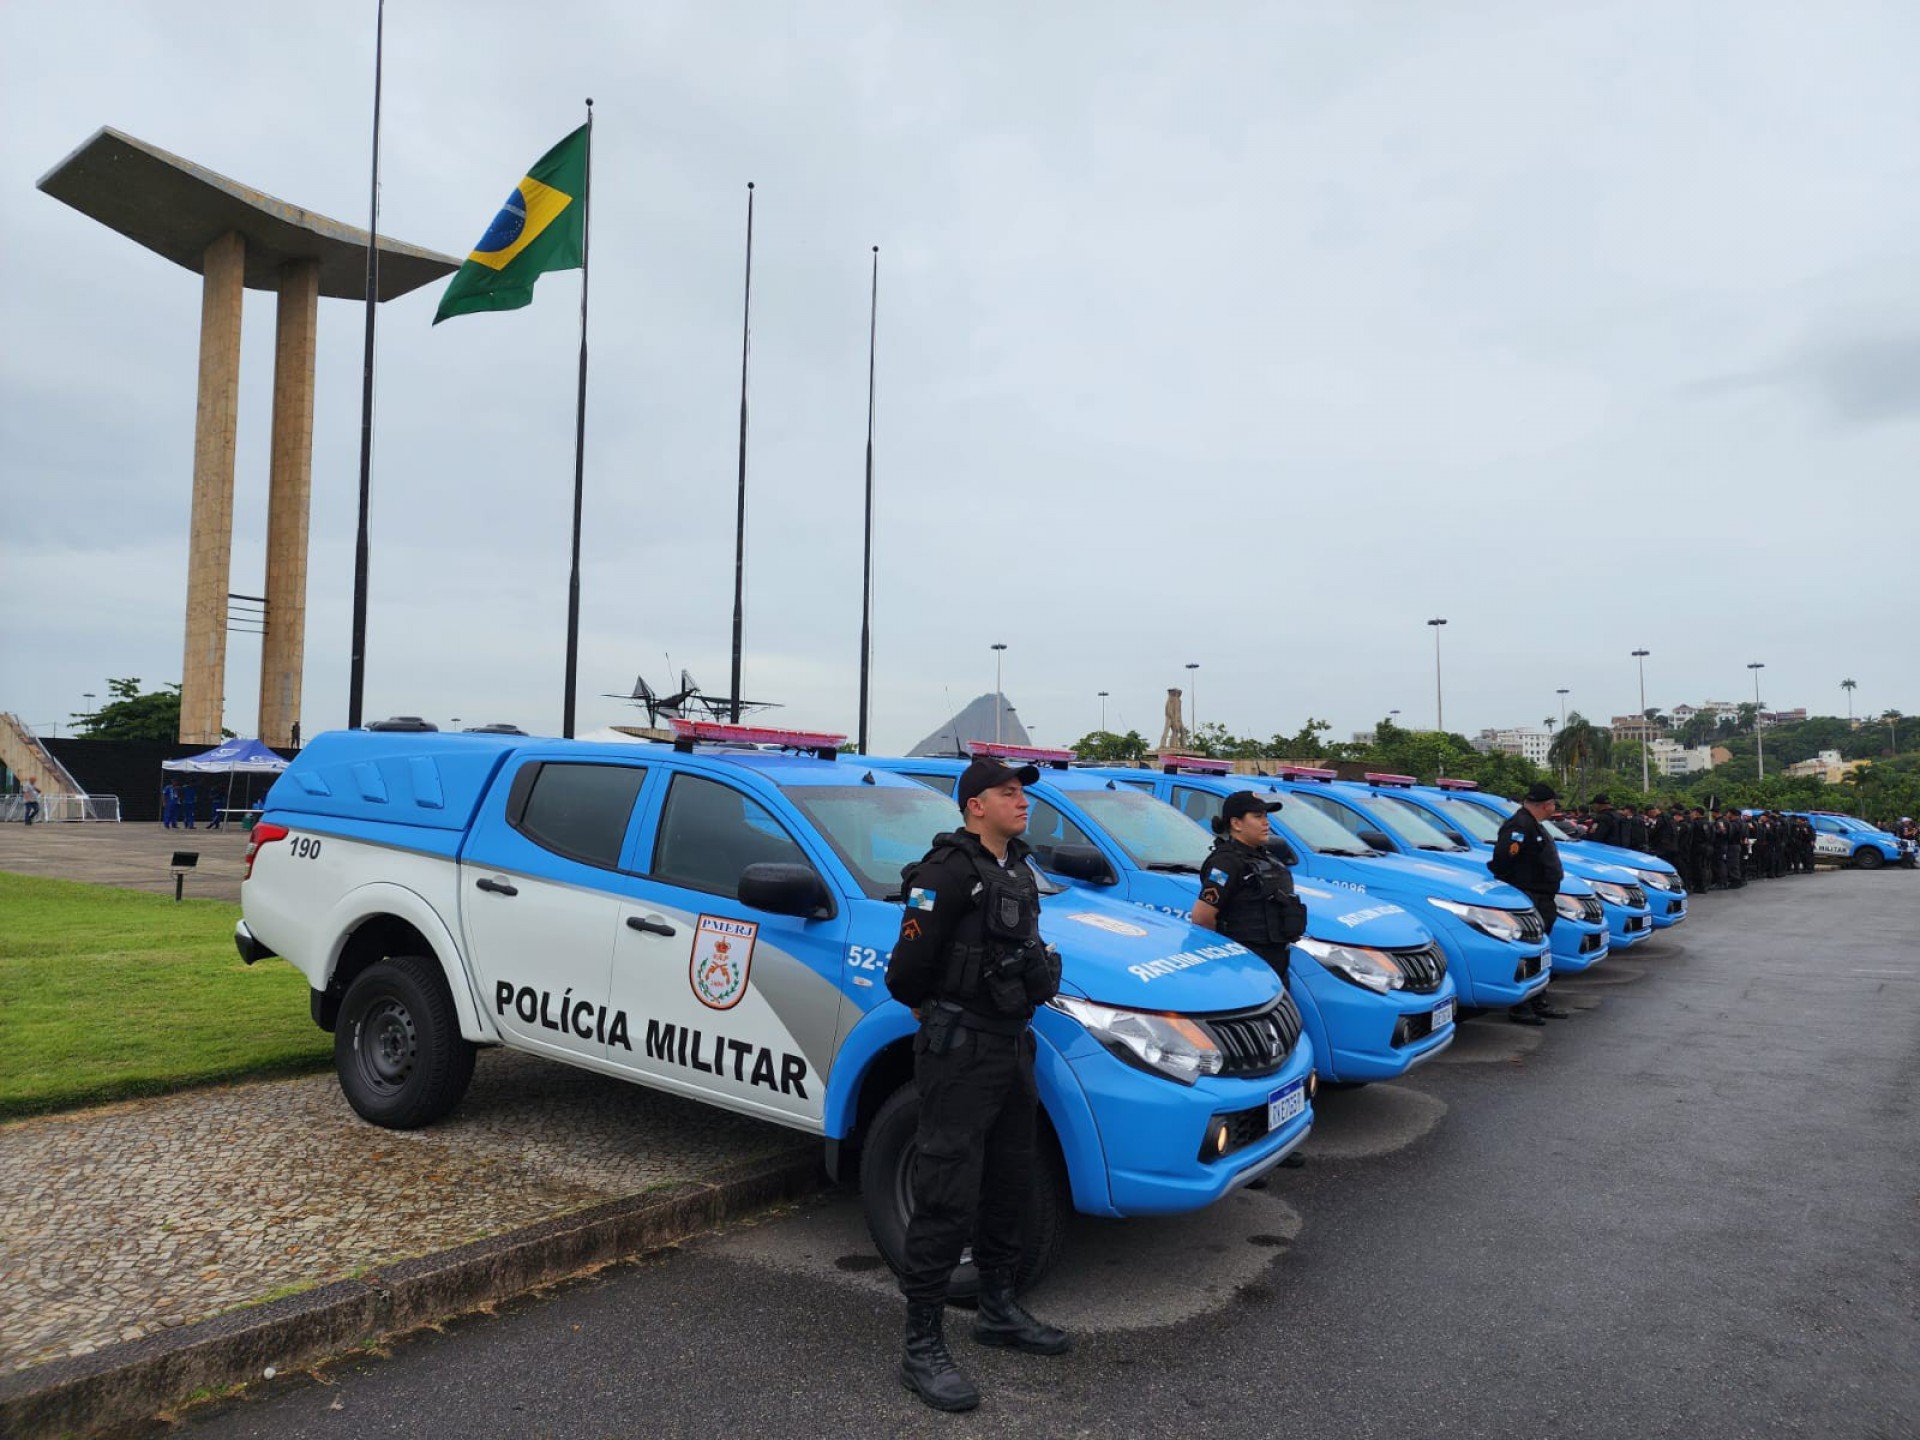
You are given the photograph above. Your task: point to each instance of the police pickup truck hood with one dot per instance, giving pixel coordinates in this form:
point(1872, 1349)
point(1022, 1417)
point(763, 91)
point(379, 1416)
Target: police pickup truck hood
point(1450, 882)
point(1616, 855)
point(1337, 913)
point(1119, 953)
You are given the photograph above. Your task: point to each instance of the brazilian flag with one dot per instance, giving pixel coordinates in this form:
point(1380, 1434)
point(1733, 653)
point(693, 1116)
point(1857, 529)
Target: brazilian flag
point(542, 227)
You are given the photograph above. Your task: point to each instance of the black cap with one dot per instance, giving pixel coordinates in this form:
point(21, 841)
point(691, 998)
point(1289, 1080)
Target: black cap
point(986, 774)
point(1601, 800)
point(1540, 792)
point(1245, 802)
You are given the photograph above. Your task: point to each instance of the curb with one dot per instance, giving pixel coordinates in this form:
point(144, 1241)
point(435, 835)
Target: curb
point(134, 1381)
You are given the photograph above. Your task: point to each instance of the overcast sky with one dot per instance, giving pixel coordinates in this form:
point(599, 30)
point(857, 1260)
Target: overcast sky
point(1251, 336)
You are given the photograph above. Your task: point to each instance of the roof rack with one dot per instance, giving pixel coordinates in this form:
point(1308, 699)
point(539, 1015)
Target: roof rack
point(1445, 784)
point(1183, 764)
point(1033, 754)
point(405, 724)
point(688, 733)
point(1381, 777)
point(1307, 772)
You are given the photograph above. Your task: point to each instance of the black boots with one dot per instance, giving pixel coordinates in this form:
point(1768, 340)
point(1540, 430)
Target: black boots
point(1001, 1321)
point(928, 1369)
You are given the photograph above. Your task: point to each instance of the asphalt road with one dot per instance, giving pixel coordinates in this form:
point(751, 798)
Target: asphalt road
point(1689, 1211)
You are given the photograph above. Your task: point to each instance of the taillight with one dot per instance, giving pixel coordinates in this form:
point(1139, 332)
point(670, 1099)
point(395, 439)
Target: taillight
point(263, 834)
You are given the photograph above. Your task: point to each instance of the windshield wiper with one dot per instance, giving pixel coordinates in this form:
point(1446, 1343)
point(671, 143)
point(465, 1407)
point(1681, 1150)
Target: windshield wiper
point(1174, 867)
point(1351, 854)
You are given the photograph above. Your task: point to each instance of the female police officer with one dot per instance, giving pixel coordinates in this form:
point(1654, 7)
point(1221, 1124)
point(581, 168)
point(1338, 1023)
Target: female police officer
point(1245, 893)
point(971, 966)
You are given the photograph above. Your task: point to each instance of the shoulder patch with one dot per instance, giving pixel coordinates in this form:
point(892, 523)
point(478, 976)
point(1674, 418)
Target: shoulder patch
point(1217, 875)
point(918, 899)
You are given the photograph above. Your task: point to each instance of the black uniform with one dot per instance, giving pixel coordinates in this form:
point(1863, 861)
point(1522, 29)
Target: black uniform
point(1254, 894)
point(970, 963)
point(1525, 856)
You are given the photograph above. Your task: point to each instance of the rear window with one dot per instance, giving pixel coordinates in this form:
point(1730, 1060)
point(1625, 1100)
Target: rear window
point(580, 811)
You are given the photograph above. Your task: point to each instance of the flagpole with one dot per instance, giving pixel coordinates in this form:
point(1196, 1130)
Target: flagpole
point(866, 566)
point(579, 446)
point(740, 516)
point(357, 661)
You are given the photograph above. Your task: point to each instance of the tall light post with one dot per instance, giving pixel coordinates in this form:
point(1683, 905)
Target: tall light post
point(999, 696)
point(1103, 712)
point(1563, 692)
point(1759, 741)
point(1641, 656)
point(1193, 694)
point(1439, 702)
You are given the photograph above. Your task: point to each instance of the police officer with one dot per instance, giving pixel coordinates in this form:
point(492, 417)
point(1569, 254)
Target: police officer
point(1606, 828)
point(1525, 856)
point(970, 964)
point(1245, 893)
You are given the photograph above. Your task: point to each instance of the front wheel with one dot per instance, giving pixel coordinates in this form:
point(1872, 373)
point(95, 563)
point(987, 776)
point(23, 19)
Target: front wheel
point(1868, 858)
point(397, 1046)
point(886, 1192)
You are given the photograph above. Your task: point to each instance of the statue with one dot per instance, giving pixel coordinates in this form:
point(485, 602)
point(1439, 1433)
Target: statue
point(1173, 734)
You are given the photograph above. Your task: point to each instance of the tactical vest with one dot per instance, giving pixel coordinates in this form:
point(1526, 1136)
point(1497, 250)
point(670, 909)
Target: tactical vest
point(998, 969)
point(1263, 911)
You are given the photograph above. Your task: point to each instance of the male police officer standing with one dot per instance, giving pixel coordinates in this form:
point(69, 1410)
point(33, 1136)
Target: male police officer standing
point(1245, 893)
point(970, 964)
point(1525, 856)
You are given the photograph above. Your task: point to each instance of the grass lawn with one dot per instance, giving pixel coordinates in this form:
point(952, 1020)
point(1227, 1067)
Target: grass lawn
point(106, 993)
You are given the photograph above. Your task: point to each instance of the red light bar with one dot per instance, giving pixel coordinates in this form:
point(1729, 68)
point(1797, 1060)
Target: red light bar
point(717, 732)
point(1173, 764)
point(1376, 777)
point(1307, 772)
point(1033, 754)
point(1446, 784)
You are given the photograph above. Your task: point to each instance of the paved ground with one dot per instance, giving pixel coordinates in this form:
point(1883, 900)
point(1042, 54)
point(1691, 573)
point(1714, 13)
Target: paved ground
point(133, 856)
point(1689, 1211)
point(130, 1219)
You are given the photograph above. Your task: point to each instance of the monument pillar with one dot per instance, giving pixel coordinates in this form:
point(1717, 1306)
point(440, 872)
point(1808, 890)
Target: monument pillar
point(203, 677)
point(283, 649)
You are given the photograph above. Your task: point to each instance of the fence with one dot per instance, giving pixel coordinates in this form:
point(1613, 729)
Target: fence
point(60, 809)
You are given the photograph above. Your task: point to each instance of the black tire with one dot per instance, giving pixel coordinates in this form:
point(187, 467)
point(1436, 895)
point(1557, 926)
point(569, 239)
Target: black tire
point(1868, 858)
point(397, 1046)
point(886, 1193)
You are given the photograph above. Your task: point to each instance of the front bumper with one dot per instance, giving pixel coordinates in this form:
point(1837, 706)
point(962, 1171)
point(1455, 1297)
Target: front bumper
point(1669, 907)
point(1360, 1035)
point(1492, 974)
point(1579, 946)
point(1628, 927)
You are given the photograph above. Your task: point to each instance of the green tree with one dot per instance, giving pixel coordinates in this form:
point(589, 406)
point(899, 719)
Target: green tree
point(1697, 729)
point(1304, 744)
point(133, 715)
point(1106, 746)
point(1580, 749)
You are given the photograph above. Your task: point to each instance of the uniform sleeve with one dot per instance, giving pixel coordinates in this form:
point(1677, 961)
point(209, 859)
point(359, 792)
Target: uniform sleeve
point(1507, 848)
point(936, 899)
point(1220, 875)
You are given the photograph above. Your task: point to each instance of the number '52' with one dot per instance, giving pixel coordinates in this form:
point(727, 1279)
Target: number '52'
point(865, 957)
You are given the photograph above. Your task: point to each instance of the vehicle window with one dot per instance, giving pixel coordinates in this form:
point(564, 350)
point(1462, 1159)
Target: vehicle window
point(1345, 816)
point(876, 830)
point(1476, 820)
point(580, 811)
point(1145, 786)
point(1410, 820)
point(1048, 829)
point(1199, 806)
point(943, 783)
point(1153, 833)
point(710, 832)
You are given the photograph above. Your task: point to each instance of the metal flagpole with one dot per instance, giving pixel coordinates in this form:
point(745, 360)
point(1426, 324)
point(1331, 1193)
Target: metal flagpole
point(740, 515)
point(866, 567)
point(579, 447)
point(357, 662)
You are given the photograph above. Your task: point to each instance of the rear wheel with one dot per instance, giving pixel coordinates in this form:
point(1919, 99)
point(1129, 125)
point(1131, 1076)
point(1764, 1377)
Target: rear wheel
point(397, 1045)
point(886, 1192)
point(1868, 858)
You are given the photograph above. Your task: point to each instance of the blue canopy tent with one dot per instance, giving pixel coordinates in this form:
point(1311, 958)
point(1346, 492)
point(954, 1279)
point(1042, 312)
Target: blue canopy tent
point(239, 756)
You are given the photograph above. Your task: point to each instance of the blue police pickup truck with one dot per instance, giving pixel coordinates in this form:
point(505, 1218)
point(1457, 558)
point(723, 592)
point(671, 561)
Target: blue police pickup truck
point(1369, 979)
point(1848, 840)
point(712, 918)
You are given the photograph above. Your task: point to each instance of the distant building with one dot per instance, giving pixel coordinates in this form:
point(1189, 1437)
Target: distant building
point(1827, 767)
point(1671, 758)
point(1716, 708)
point(1530, 742)
point(1782, 717)
point(1635, 727)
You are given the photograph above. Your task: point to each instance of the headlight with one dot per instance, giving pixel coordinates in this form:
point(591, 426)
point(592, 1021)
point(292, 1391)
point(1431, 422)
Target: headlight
point(1170, 1045)
point(1500, 924)
point(1569, 906)
point(1612, 894)
point(1371, 969)
point(1658, 879)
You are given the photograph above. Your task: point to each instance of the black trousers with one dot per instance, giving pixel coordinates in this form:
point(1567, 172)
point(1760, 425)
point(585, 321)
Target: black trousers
point(973, 1175)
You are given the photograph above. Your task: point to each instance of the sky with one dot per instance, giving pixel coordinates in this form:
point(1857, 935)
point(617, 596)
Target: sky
point(1246, 337)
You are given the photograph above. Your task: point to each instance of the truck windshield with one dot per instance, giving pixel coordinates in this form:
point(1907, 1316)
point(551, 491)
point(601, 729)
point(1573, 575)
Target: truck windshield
point(1154, 835)
point(878, 830)
point(1414, 827)
point(1476, 820)
point(1308, 824)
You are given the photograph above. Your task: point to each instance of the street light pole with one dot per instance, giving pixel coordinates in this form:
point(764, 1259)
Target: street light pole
point(999, 696)
point(1641, 656)
point(1563, 692)
point(1439, 701)
point(1103, 712)
point(1193, 695)
point(1759, 740)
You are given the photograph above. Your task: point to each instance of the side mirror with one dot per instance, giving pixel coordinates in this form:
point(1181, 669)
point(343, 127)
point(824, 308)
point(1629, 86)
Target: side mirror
point(1278, 847)
point(1081, 862)
point(785, 890)
point(1379, 841)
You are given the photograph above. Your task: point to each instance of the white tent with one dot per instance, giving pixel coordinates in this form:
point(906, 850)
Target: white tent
point(240, 756)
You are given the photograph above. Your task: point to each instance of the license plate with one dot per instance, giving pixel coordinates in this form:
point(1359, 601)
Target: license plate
point(1286, 1104)
point(1442, 1016)
point(1638, 922)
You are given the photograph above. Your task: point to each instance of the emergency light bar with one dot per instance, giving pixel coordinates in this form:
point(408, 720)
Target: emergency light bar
point(1194, 765)
point(1446, 784)
point(1307, 772)
point(1032, 754)
point(688, 733)
point(1376, 777)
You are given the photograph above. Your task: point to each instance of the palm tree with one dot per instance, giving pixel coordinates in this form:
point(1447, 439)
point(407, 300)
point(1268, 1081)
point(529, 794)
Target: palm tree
point(1849, 686)
point(1580, 747)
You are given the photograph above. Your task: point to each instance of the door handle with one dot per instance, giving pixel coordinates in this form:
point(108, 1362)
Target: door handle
point(497, 887)
point(652, 927)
